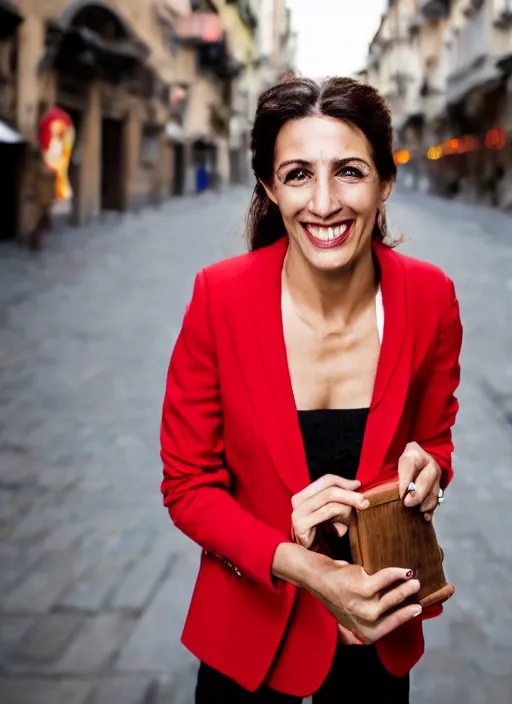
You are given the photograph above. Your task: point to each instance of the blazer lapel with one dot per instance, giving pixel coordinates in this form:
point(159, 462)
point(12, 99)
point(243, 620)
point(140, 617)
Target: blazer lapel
point(393, 369)
point(262, 356)
point(264, 366)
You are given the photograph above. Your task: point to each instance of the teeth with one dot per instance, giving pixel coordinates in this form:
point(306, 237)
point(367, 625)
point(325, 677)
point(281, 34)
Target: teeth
point(327, 233)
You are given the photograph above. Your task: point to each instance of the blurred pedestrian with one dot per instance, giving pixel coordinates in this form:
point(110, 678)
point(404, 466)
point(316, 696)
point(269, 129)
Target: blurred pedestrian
point(201, 178)
point(320, 363)
point(45, 197)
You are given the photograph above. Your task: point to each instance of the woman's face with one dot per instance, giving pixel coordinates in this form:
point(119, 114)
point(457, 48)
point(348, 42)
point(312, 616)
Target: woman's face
point(327, 189)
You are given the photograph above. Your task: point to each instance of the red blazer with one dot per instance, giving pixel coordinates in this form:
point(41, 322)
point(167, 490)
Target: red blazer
point(233, 456)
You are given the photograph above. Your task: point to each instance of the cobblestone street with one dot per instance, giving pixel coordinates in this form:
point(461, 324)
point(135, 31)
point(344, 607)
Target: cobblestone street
point(94, 579)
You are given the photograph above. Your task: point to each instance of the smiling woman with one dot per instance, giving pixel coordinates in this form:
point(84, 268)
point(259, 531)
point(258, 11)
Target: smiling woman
point(349, 144)
point(307, 371)
point(329, 193)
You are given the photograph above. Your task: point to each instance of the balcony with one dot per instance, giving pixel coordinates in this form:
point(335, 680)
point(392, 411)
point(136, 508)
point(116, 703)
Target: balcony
point(472, 62)
point(247, 11)
point(401, 81)
point(503, 14)
point(434, 9)
point(216, 58)
point(95, 42)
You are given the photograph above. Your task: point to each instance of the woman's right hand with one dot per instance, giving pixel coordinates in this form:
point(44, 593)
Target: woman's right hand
point(328, 499)
point(360, 602)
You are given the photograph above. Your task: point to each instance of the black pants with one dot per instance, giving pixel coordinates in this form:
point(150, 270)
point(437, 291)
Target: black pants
point(356, 675)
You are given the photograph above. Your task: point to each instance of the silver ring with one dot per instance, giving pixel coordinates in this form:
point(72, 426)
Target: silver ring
point(440, 496)
point(411, 487)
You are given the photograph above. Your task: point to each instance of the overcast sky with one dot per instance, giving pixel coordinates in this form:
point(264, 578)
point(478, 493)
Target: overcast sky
point(333, 35)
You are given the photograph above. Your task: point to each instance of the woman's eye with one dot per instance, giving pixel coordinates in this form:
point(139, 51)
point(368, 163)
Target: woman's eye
point(296, 175)
point(351, 172)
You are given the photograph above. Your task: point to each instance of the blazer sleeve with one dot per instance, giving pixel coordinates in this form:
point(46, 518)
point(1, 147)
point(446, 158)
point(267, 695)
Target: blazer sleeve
point(438, 406)
point(196, 481)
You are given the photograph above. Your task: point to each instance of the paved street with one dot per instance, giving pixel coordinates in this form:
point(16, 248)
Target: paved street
point(94, 580)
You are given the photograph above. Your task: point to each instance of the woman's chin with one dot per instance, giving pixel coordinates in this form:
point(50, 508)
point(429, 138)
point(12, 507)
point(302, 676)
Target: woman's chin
point(331, 261)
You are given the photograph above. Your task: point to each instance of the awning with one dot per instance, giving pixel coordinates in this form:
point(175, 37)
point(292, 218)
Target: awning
point(10, 18)
point(8, 135)
point(200, 28)
point(485, 77)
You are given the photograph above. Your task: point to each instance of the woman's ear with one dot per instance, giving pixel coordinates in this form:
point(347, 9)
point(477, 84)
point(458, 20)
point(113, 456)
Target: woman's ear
point(269, 192)
point(385, 191)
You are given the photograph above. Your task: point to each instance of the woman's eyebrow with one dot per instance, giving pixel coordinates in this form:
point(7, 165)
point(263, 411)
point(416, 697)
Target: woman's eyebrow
point(294, 162)
point(307, 164)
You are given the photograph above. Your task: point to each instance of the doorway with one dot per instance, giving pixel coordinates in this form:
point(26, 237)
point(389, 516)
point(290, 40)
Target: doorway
point(178, 180)
point(10, 158)
point(112, 165)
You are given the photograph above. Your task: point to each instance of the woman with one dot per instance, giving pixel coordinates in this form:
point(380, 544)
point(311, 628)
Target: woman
point(282, 403)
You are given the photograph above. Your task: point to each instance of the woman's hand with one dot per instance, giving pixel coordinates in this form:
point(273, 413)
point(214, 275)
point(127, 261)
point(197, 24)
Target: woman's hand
point(330, 498)
point(417, 466)
point(361, 603)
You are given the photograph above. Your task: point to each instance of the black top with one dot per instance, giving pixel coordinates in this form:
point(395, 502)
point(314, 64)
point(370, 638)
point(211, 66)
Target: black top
point(333, 440)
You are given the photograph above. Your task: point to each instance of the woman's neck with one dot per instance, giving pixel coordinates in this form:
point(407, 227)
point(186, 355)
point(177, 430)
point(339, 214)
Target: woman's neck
point(329, 296)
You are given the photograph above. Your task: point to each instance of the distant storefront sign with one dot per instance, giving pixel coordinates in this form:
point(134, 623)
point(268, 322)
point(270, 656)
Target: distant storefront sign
point(56, 140)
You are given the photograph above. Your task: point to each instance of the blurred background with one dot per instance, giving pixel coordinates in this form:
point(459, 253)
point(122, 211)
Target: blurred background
point(124, 147)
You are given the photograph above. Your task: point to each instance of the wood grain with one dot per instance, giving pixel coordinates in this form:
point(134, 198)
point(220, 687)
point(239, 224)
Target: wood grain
point(390, 535)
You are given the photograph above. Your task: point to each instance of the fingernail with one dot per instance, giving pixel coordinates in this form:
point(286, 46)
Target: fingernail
point(410, 574)
point(365, 504)
point(418, 611)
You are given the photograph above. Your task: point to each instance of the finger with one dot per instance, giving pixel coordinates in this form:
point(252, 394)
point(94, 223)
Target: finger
point(303, 523)
point(431, 501)
point(395, 620)
point(428, 517)
point(333, 494)
point(340, 528)
point(408, 468)
point(394, 597)
point(325, 482)
point(425, 482)
point(385, 578)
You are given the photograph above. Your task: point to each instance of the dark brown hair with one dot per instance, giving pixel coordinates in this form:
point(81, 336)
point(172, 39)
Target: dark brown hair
point(342, 98)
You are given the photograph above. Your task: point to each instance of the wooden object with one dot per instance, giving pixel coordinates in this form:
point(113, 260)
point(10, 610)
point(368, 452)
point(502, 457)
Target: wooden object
point(388, 534)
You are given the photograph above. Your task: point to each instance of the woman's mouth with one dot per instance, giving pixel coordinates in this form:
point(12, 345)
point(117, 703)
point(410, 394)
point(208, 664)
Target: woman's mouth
point(328, 237)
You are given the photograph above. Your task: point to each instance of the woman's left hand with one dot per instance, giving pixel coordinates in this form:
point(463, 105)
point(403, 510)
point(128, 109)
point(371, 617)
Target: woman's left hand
point(417, 466)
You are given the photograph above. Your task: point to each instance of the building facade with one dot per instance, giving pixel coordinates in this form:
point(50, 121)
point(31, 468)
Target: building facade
point(86, 59)
point(160, 94)
point(445, 67)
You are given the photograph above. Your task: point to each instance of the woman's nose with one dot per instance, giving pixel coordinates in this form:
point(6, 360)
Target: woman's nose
point(323, 201)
